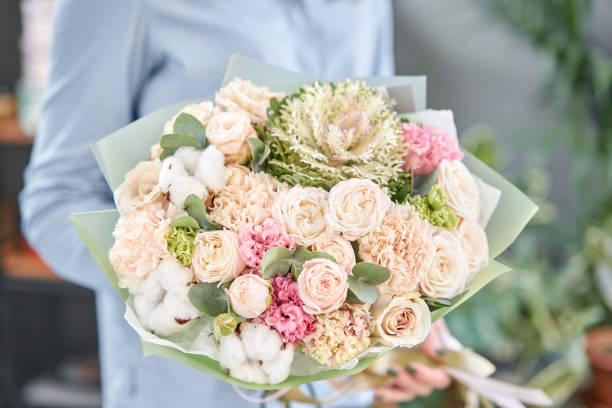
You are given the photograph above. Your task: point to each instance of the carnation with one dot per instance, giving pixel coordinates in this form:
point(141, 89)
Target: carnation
point(140, 244)
point(426, 147)
point(402, 243)
point(248, 202)
point(255, 240)
point(326, 133)
point(340, 336)
point(286, 314)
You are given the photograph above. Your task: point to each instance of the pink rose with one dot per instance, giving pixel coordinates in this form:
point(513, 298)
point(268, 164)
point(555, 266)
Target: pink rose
point(356, 207)
point(249, 295)
point(229, 132)
point(255, 240)
point(426, 147)
point(322, 286)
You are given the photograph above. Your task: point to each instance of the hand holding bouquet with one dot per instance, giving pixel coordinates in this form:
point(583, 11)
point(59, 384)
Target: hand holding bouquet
point(276, 238)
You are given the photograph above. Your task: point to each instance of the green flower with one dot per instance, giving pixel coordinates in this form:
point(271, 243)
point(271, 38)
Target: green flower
point(180, 243)
point(432, 207)
point(326, 133)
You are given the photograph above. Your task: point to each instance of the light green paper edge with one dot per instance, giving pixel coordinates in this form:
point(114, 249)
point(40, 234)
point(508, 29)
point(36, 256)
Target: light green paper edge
point(134, 141)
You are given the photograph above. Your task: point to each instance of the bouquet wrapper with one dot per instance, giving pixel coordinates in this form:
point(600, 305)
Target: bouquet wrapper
point(119, 152)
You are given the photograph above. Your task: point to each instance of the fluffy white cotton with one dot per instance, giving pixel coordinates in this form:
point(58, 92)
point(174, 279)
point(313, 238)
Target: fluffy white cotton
point(172, 168)
point(184, 186)
point(189, 156)
point(161, 300)
point(211, 168)
point(175, 211)
point(256, 356)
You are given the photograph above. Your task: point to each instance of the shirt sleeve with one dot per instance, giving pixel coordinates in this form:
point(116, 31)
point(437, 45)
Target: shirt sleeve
point(99, 60)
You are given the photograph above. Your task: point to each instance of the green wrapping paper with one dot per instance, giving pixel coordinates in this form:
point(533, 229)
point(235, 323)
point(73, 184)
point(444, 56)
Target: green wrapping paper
point(121, 151)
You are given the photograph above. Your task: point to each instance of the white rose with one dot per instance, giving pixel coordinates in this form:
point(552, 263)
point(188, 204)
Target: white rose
point(337, 247)
point(401, 321)
point(301, 213)
point(229, 132)
point(460, 187)
point(249, 295)
point(473, 240)
point(243, 96)
point(201, 111)
point(139, 187)
point(447, 274)
point(216, 257)
point(356, 207)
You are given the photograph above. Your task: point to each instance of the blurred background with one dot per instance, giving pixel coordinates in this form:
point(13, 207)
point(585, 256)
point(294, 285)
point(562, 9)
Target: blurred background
point(530, 82)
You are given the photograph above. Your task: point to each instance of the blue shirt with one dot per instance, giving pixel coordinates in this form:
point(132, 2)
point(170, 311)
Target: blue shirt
point(114, 61)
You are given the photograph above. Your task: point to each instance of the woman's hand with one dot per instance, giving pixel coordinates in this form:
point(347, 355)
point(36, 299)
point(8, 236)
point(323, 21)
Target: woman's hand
point(417, 380)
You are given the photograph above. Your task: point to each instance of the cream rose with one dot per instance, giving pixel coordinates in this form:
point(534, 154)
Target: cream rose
point(140, 244)
point(301, 212)
point(228, 132)
point(242, 96)
point(461, 188)
point(139, 187)
point(401, 321)
point(337, 247)
point(237, 175)
point(447, 272)
point(249, 295)
point(201, 111)
point(473, 240)
point(156, 151)
point(216, 257)
point(322, 286)
point(356, 207)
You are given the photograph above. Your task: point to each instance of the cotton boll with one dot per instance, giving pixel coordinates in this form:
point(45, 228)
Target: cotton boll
point(189, 156)
point(231, 352)
point(184, 186)
point(175, 211)
point(174, 276)
point(250, 372)
point(162, 322)
point(262, 343)
point(278, 368)
point(211, 168)
point(172, 168)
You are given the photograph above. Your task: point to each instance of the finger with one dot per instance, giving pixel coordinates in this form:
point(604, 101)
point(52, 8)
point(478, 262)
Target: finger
point(391, 395)
point(433, 348)
point(406, 381)
point(434, 377)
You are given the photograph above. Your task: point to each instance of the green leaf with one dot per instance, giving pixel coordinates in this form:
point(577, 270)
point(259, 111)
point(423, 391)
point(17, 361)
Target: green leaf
point(208, 298)
point(362, 291)
point(276, 261)
point(166, 153)
point(185, 222)
point(301, 255)
point(422, 184)
point(259, 152)
point(404, 191)
point(195, 208)
point(187, 124)
point(176, 140)
point(435, 304)
point(370, 273)
point(355, 245)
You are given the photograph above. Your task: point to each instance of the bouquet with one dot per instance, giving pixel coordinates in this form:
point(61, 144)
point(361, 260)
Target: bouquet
point(284, 232)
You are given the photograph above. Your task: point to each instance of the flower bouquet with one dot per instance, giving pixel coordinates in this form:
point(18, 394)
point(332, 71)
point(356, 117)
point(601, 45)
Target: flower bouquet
point(296, 230)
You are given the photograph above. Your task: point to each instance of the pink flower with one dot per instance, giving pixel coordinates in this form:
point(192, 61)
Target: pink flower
point(322, 285)
point(426, 147)
point(255, 240)
point(285, 314)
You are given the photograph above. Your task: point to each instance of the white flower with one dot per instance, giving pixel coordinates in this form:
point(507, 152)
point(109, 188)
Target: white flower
point(401, 321)
point(461, 189)
point(356, 207)
point(243, 96)
point(216, 257)
point(211, 169)
point(337, 247)
point(448, 272)
point(161, 300)
point(140, 186)
point(172, 168)
point(189, 156)
point(301, 212)
point(229, 132)
point(201, 111)
point(249, 295)
point(184, 186)
point(473, 240)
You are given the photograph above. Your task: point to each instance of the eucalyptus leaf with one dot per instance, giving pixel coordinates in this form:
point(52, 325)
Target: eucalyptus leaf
point(185, 222)
point(195, 208)
point(176, 140)
point(301, 255)
point(187, 124)
point(276, 261)
point(370, 273)
point(362, 291)
point(208, 298)
point(422, 184)
point(166, 153)
point(259, 152)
